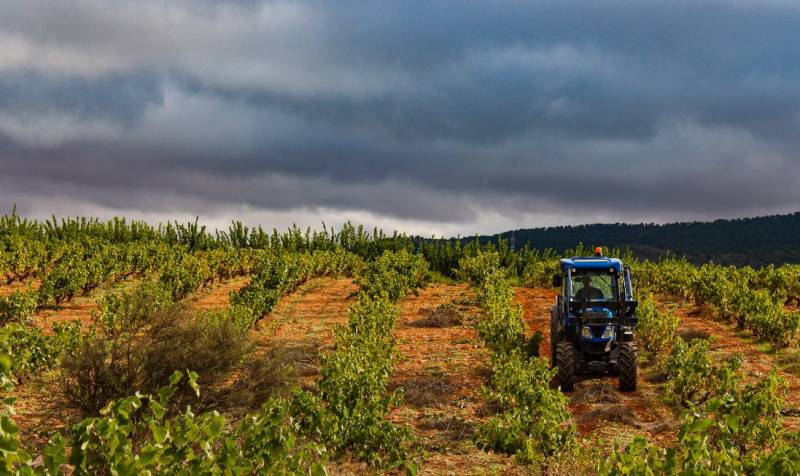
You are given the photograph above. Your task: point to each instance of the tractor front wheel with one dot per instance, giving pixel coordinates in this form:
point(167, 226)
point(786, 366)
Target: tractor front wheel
point(565, 361)
point(626, 367)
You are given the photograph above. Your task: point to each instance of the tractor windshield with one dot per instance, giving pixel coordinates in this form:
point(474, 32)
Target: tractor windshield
point(594, 285)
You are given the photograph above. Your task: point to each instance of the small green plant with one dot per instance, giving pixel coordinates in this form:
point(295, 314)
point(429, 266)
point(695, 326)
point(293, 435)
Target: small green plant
point(735, 432)
point(136, 435)
point(350, 412)
point(534, 421)
point(539, 273)
point(186, 274)
point(775, 325)
point(480, 268)
point(692, 376)
point(533, 345)
point(393, 275)
point(655, 330)
point(18, 306)
point(30, 349)
point(501, 328)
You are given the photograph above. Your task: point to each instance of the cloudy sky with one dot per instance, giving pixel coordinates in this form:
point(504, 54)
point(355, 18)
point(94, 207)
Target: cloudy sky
point(434, 117)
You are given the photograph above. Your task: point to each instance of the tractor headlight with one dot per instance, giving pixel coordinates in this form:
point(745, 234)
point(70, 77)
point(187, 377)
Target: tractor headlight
point(586, 332)
point(609, 332)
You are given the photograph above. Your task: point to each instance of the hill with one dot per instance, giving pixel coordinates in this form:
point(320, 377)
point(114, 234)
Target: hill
point(755, 241)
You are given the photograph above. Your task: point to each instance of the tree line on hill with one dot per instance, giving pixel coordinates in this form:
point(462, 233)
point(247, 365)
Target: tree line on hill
point(755, 241)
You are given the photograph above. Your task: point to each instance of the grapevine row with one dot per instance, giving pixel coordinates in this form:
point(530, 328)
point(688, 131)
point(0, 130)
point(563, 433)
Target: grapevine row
point(295, 435)
point(534, 423)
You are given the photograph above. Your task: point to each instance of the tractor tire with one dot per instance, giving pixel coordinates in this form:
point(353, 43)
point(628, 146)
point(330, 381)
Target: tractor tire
point(626, 366)
point(565, 361)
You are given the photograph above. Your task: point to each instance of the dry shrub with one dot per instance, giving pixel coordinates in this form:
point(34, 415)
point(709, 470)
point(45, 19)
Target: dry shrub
point(210, 344)
point(273, 373)
point(142, 338)
point(445, 315)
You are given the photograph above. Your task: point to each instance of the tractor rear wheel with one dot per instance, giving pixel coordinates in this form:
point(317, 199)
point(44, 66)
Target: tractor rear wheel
point(565, 361)
point(626, 366)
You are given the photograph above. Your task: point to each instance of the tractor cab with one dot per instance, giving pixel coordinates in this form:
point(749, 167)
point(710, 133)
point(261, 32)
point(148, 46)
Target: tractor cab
point(593, 319)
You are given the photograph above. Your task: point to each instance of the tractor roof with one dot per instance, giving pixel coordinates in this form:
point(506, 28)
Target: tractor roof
point(591, 262)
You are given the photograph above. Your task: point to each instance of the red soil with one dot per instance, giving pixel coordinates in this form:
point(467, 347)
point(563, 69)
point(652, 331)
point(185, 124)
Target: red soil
point(218, 296)
point(6, 289)
point(442, 369)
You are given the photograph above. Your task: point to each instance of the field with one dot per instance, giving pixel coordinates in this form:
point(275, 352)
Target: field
point(128, 349)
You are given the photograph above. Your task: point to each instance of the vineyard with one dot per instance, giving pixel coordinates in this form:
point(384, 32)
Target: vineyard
point(127, 348)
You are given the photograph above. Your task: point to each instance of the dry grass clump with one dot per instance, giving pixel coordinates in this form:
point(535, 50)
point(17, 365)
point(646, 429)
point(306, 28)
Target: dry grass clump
point(690, 334)
point(445, 315)
point(619, 413)
point(599, 392)
point(790, 362)
point(455, 427)
point(428, 390)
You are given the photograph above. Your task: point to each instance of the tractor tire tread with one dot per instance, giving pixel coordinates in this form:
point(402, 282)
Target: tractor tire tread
point(565, 361)
point(626, 367)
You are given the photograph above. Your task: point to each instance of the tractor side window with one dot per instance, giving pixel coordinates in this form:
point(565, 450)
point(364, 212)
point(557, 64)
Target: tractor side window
point(593, 286)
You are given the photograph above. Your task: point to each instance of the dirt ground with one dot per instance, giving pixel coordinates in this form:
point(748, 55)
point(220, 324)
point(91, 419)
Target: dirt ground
point(80, 308)
point(217, 296)
point(302, 325)
point(442, 369)
point(6, 289)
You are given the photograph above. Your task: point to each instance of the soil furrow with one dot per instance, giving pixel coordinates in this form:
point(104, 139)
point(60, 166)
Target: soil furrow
point(442, 369)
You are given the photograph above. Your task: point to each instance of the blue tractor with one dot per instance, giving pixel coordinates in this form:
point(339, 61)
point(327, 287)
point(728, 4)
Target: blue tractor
point(591, 328)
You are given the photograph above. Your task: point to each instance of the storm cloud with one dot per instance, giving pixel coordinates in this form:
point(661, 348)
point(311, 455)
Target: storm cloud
point(427, 116)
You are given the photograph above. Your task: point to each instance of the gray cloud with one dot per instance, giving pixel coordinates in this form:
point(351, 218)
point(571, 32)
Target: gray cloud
point(443, 118)
point(121, 100)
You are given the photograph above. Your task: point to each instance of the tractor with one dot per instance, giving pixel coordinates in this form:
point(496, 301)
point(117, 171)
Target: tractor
point(592, 321)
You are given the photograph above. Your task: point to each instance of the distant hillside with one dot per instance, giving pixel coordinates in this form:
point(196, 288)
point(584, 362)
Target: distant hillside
point(755, 241)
